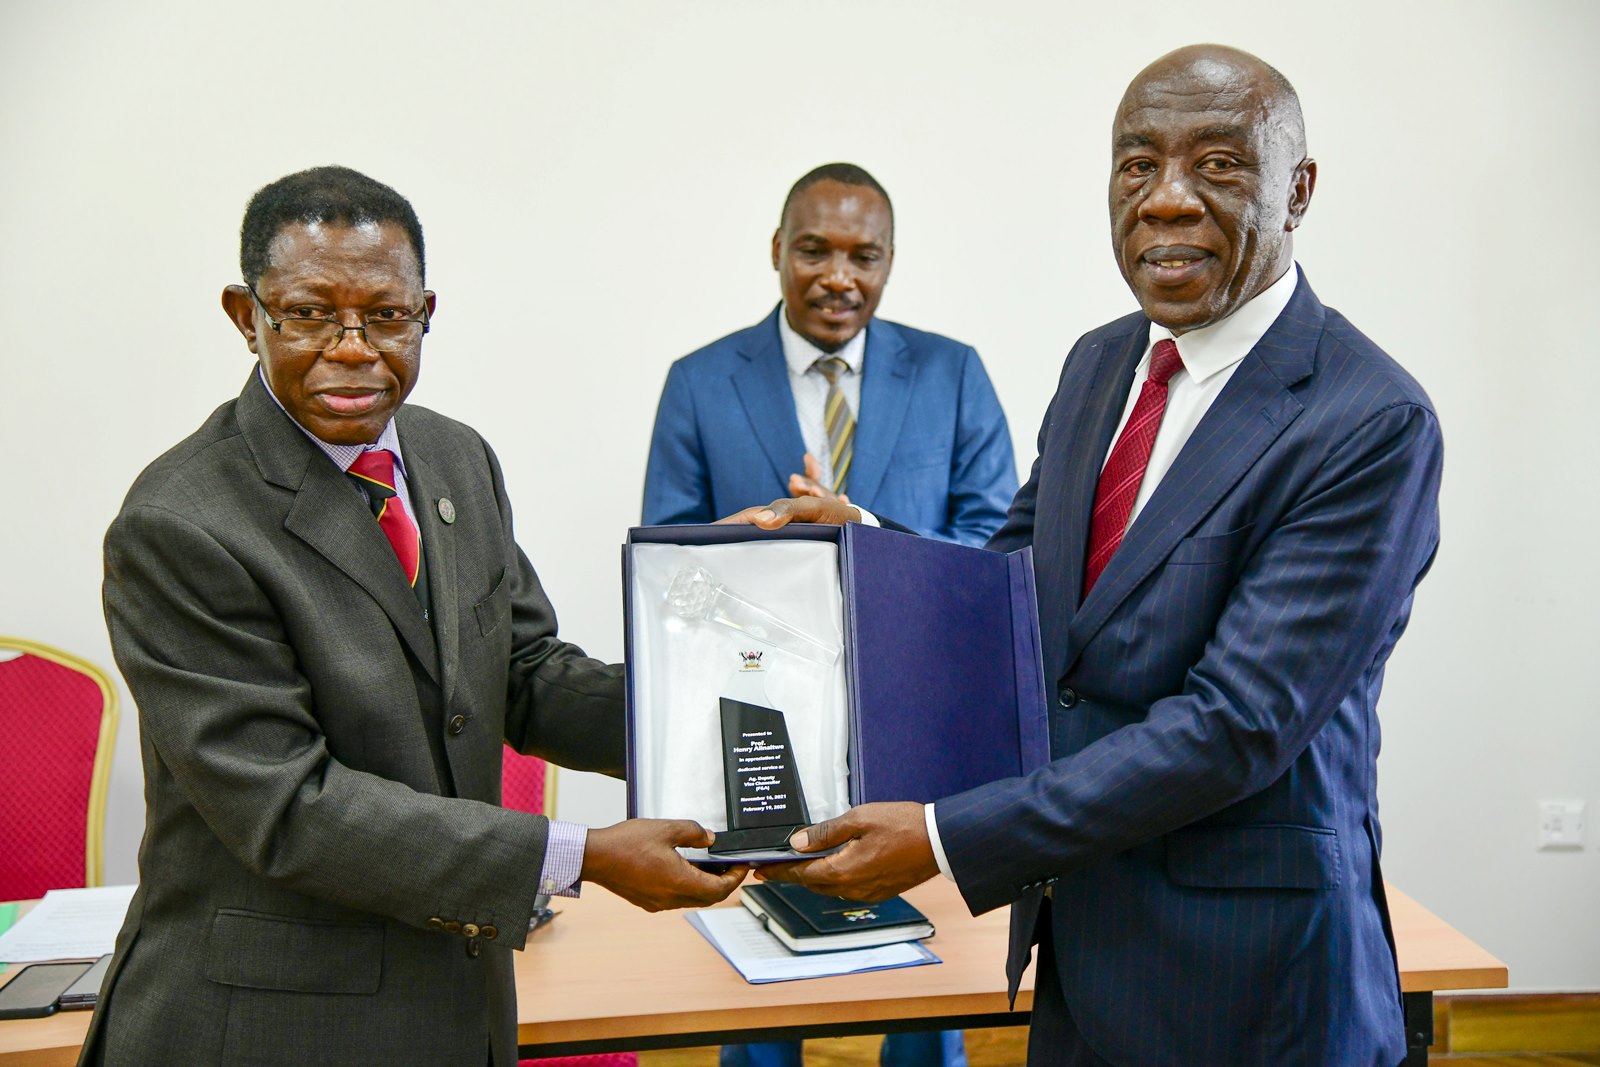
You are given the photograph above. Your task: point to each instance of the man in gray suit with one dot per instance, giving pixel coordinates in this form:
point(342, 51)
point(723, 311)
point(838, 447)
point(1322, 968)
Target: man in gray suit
point(328, 627)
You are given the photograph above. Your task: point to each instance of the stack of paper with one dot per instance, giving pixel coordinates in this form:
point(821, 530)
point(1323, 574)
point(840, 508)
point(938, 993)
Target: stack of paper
point(68, 924)
point(760, 957)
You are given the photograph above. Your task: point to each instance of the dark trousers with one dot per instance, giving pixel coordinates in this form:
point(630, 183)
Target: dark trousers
point(930, 1049)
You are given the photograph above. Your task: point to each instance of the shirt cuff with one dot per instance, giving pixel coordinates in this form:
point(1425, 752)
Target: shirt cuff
point(938, 846)
point(867, 519)
point(563, 859)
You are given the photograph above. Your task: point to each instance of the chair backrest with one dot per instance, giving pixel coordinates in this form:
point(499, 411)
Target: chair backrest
point(58, 726)
point(527, 783)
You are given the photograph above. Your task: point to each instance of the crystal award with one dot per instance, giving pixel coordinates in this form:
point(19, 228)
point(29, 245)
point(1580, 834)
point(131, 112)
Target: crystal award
point(764, 800)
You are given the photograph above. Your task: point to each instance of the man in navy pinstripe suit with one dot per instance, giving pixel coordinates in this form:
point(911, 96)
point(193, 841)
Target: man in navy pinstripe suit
point(1199, 862)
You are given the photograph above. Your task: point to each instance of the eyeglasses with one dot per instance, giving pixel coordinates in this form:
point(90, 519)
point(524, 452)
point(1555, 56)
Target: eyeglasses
point(319, 335)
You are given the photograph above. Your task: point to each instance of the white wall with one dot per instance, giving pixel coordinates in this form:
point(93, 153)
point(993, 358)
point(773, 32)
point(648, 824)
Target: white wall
point(598, 183)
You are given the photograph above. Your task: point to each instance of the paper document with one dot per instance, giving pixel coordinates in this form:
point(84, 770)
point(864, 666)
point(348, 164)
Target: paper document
point(69, 924)
point(760, 957)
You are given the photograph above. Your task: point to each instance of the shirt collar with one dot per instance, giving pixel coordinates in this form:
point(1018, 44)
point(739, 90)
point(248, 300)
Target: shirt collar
point(800, 353)
point(1214, 348)
point(343, 455)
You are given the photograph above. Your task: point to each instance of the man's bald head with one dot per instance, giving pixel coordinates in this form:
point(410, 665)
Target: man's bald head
point(1221, 69)
point(1209, 179)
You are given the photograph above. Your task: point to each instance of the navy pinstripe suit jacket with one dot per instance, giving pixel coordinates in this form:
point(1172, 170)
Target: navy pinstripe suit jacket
point(1209, 819)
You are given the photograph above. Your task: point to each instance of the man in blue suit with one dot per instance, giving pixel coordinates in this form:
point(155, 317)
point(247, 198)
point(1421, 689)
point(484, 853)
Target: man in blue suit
point(1235, 497)
point(900, 421)
point(839, 402)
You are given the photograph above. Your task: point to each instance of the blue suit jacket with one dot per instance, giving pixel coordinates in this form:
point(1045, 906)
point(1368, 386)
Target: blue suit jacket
point(1209, 821)
point(931, 445)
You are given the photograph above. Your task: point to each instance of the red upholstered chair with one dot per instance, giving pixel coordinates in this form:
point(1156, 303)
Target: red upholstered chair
point(528, 784)
point(58, 724)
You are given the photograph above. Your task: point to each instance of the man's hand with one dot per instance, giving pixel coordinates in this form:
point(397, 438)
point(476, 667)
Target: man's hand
point(886, 851)
point(831, 510)
point(810, 483)
point(638, 861)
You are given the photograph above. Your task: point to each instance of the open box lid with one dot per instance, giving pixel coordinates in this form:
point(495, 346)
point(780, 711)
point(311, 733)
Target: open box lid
point(946, 677)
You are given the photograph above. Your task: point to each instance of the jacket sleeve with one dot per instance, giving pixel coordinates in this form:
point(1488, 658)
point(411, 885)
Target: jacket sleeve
point(983, 470)
point(677, 483)
point(1311, 618)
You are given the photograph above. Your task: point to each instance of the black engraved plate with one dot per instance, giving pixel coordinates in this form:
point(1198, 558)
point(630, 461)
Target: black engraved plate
point(764, 800)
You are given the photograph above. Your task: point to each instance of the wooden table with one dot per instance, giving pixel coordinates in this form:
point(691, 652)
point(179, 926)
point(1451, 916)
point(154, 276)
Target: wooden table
point(666, 987)
point(607, 977)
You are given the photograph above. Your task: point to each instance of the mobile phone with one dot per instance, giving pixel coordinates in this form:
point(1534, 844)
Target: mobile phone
point(82, 994)
point(35, 989)
point(542, 912)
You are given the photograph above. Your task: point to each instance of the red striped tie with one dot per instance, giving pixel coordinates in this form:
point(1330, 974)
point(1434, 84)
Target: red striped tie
point(375, 468)
point(1124, 469)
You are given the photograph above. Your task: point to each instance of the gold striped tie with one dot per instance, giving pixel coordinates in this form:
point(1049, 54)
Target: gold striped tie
point(839, 420)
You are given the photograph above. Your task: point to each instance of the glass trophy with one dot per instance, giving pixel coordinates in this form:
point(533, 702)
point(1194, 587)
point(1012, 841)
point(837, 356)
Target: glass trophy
point(765, 803)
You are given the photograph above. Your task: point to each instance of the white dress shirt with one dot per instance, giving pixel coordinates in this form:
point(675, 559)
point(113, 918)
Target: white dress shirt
point(1210, 355)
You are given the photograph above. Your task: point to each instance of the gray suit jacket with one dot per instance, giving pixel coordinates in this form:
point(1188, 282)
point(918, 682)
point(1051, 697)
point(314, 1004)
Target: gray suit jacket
point(322, 766)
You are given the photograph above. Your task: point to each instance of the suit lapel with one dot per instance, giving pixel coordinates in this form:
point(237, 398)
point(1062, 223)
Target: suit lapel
point(329, 515)
point(427, 486)
point(762, 383)
point(1107, 395)
point(1254, 408)
point(887, 375)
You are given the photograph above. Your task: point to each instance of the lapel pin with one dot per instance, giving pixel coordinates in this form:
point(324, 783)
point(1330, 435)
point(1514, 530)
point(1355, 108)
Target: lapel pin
point(447, 510)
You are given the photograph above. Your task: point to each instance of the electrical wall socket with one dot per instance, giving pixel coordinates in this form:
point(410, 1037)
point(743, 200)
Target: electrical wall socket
point(1560, 824)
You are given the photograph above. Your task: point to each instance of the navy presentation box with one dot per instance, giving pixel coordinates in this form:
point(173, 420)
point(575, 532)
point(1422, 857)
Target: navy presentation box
point(945, 684)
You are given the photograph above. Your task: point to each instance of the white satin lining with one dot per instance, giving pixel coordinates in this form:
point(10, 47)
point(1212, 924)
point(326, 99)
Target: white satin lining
point(680, 668)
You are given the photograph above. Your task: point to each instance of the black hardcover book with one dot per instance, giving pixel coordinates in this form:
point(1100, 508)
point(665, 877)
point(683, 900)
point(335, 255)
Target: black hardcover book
point(810, 922)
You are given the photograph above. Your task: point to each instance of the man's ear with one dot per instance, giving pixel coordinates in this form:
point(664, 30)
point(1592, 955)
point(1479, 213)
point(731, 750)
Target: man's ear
point(1303, 184)
point(777, 246)
point(430, 300)
point(240, 307)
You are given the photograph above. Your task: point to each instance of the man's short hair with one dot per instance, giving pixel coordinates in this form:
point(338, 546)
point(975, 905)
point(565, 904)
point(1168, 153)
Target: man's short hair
point(1288, 119)
point(326, 195)
point(845, 174)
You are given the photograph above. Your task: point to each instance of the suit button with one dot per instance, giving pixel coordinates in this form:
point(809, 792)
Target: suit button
point(452, 927)
point(470, 929)
point(457, 724)
point(474, 946)
point(1066, 696)
point(436, 923)
point(490, 932)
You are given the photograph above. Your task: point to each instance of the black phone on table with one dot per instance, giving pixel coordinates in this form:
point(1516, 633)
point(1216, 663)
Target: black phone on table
point(82, 994)
point(34, 990)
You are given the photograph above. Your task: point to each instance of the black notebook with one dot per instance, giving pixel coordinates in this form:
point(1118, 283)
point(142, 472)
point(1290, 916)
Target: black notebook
point(810, 922)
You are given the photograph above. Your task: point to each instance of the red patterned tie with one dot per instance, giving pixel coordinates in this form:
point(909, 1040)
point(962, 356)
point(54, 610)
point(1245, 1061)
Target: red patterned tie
point(376, 471)
point(1124, 469)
